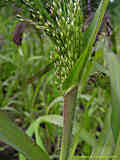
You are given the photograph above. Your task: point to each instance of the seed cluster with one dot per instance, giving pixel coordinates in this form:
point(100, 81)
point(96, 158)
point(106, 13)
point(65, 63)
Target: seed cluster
point(63, 22)
point(69, 42)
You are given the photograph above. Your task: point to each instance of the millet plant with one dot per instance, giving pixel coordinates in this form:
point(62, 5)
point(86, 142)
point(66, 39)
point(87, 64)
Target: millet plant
point(74, 40)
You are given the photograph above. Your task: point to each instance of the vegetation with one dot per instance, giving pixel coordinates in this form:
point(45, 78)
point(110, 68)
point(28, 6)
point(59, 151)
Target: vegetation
point(59, 80)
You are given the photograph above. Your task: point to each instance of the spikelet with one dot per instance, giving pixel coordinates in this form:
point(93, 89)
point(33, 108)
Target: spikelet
point(69, 42)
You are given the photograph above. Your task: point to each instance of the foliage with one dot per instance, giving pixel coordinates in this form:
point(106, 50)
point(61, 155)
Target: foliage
point(47, 69)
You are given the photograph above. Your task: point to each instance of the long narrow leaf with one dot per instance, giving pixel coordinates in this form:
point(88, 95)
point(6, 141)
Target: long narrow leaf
point(105, 144)
point(114, 72)
point(13, 136)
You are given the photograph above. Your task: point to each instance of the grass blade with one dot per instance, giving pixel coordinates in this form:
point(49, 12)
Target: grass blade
point(114, 72)
point(13, 136)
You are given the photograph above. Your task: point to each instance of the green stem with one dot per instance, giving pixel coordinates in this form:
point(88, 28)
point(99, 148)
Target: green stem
point(69, 110)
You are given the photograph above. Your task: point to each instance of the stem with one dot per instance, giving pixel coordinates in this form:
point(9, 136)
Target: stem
point(69, 110)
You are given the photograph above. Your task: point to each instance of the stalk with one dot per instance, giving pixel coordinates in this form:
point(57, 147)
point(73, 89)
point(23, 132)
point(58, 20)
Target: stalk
point(69, 112)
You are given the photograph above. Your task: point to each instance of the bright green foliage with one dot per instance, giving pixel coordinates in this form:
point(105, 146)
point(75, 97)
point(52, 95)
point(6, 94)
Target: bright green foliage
point(113, 65)
point(13, 136)
point(27, 76)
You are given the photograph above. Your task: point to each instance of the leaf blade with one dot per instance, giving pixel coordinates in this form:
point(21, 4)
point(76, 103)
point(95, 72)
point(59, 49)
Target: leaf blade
point(13, 136)
point(113, 66)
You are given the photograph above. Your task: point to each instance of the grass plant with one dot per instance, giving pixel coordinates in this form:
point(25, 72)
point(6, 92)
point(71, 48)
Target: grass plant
point(52, 84)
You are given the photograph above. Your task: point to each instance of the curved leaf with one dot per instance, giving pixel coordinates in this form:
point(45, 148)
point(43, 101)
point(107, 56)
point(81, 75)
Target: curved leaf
point(13, 136)
point(34, 127)
point(54, 119)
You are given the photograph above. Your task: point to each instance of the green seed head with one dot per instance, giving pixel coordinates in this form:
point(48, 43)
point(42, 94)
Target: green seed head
point(68, 39)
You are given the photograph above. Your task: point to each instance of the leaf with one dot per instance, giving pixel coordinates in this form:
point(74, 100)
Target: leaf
point(34, 127)
point(54, 119)
point(105, 144)
point(13, 136)
point(81, 134)
point(114, 72)
point(89, 39)
point(55, 101)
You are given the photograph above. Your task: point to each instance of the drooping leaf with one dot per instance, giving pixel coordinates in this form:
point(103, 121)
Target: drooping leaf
point(53, 119)
point(13, 136)
point(34, 127)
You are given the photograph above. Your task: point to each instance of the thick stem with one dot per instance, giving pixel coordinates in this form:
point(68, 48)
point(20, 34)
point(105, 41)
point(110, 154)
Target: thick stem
point(69, 110)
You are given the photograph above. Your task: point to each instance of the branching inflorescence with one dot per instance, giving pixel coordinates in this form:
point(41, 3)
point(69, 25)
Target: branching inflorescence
point(64, 23)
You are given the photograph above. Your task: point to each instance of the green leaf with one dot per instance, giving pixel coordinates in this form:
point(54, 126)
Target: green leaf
point(13, 136)
point(81, 134)
point(89, 39)
point(34, 127)
point(114, 72)
point(105, 144)
point(54, 119)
